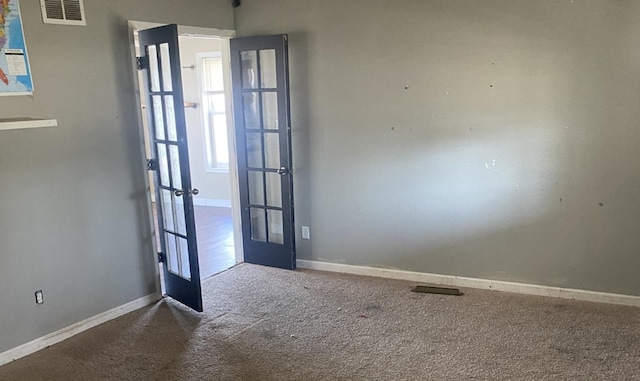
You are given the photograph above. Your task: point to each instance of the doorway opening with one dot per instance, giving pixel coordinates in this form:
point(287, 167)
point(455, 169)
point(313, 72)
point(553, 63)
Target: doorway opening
point(207, 98)
point(248, 75)
point(206, 84)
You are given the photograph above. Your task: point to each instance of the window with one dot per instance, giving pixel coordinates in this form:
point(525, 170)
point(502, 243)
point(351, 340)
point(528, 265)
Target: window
point(215, 113)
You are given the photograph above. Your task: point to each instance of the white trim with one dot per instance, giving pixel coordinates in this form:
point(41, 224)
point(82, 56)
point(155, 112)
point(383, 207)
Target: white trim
point(183, 30)
point(485, 284)
point(133, 27)
point(209, 141)
point(16, 124)
point(212, 202)
point(16, 93)
point(74, 329)
point(236, 207)
point(195, 31)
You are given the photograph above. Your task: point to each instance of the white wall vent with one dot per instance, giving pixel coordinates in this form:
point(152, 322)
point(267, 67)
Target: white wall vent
point(66, 12)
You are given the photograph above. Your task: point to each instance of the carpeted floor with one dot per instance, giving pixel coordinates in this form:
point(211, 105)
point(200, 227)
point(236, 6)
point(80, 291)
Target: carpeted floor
point(268, 324)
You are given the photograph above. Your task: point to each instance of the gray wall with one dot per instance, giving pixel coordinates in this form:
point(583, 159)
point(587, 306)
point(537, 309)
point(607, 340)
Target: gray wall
point(495, 139)
point(73, 216)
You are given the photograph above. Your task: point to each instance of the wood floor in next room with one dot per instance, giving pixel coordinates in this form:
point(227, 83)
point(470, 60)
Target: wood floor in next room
point(214, 232)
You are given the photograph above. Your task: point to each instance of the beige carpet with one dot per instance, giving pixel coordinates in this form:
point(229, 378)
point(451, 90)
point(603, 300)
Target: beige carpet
point(268, 324)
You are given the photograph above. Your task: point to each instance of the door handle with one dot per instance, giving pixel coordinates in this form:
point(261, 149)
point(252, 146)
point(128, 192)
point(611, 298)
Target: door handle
point(181, 192)
point(283, 171)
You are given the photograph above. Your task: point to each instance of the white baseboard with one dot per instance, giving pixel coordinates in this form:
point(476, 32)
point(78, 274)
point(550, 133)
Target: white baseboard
point(74, 329)
point(212, 202)
point(486, 284)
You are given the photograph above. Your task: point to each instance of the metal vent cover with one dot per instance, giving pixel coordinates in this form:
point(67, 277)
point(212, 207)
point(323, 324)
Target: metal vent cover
point(66, 12)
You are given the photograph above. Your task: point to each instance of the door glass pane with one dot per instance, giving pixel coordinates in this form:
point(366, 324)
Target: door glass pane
point(172, 254)
point(276, 228)
point(162, 207)
point(274, 194)
point(171, 118)
point(251, 104)
point(180, 218)
point(256, 188)
point(152, 53)
point(249, 68)
point(258, 225)
point(268, 69)
point(166, 67)
point(163, 165)
point(272, 150)
point(168, 206)
point(270, 110)
point(158, 120)
point(254, 150)
point(175, 166)
point(185, 270)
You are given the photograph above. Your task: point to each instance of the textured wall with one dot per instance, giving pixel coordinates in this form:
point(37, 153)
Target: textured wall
point(495, 139)
point(73, 220)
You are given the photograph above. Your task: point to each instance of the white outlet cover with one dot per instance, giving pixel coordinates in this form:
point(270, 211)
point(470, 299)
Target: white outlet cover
point(39, 297)
point(306, 233)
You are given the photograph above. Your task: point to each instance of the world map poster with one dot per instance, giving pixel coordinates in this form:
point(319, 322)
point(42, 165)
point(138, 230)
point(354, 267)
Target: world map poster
point(15, 74)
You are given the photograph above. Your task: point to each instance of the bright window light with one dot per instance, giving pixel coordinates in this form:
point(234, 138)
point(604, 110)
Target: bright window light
point(215, 113)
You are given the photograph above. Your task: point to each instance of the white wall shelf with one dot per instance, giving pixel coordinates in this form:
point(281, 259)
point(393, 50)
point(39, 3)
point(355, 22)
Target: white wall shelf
point(20, 123)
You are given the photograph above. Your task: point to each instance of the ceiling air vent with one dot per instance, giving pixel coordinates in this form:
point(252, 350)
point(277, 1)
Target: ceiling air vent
point(67, 12)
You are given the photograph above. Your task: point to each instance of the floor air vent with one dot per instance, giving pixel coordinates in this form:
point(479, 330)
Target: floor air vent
point(66, 12)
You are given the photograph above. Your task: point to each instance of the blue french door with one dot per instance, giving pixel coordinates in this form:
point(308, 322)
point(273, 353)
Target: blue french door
point(260, 79)
point(160, 64)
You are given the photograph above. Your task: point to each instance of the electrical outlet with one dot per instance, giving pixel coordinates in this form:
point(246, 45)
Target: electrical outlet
point(305, 233)
point(39, 297)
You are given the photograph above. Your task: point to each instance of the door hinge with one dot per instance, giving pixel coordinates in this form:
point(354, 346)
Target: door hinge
point(152, 164)
point(161, 257)
point(142, 62)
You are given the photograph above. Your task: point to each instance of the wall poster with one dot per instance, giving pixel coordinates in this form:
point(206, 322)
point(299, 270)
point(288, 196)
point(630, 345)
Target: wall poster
point(15, 74)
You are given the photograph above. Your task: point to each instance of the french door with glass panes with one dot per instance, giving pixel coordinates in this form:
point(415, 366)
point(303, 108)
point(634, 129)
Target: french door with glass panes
point(260, 77)
point(170, 160)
